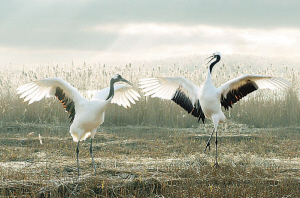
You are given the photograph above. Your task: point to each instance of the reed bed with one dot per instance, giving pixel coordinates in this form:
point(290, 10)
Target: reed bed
point(264, 108)
point(154, 148)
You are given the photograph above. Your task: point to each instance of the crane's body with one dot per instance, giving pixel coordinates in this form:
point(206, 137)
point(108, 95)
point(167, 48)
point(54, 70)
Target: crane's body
point(206, 101)
point(87, 111)
point(209, 98)
point(86, 115)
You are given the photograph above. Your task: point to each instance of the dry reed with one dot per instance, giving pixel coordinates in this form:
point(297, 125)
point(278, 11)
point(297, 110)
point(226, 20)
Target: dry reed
point(153, 149)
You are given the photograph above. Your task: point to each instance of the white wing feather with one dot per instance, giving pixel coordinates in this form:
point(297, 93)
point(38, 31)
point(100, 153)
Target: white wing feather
point(166, 87)
point(39, 89)
point(124, 95)
point(262, 82)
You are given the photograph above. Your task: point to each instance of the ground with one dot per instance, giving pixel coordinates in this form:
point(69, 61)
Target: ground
point(39, 160)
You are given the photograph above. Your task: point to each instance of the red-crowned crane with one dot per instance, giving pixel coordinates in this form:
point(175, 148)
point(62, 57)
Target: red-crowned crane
point(206, 101)
point(86, 115)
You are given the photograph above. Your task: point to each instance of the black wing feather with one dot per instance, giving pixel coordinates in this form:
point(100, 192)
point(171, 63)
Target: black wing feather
point(235, 95)
point(66, 102)
point(181, 99)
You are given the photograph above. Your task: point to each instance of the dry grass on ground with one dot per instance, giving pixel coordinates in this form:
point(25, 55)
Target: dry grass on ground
point(150, 162)
point(143, 161)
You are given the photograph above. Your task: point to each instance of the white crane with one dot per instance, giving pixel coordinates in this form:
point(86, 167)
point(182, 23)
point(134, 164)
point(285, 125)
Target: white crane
point(206, 101)
point(86, 115)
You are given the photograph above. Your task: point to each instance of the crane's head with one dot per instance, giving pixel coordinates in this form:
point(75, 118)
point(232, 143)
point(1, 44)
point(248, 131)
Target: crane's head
point(217, 56)
point(117, 78)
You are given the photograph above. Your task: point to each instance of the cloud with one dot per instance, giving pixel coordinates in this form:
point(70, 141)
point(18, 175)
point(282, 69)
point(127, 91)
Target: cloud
point(96, 29)
point(179, 35)
point(77, 14)
point(138, 41)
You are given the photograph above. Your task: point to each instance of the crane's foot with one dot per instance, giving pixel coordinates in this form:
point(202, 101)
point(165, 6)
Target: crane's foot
point(216, 165)
point(95, 173)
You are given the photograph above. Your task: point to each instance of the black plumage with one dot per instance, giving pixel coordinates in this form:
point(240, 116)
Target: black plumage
point(66, 102)
point(235, 95)
point(195, 109)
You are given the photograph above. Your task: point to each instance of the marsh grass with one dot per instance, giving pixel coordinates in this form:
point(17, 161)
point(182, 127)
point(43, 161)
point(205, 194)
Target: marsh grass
point(150, 162)
point(263, 108)
point(154, 149)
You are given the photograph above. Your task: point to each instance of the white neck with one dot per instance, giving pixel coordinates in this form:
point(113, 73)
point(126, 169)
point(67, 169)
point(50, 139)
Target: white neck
point(208, 78)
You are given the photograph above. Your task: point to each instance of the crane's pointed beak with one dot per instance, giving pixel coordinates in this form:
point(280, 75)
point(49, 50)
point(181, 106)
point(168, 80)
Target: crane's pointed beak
point(124, 80)
point(212, 57)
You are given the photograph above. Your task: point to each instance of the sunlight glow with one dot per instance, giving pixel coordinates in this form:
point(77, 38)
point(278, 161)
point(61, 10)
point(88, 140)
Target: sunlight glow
point(191, 39)
point(146, 41)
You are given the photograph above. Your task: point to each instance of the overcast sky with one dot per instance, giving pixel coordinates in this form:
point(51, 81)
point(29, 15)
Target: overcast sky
point(62, 31)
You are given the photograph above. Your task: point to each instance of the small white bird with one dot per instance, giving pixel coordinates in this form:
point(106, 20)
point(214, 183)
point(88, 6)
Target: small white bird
point(206, 101)
point(86, 115)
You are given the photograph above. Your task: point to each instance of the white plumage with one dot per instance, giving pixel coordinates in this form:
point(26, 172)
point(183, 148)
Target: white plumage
point(86, 115)
point(124, 95)
point(206, 101)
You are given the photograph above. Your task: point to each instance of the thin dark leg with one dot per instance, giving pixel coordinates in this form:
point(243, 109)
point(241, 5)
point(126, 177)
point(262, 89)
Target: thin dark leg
point(77, 151)
point(216, 164)
point(91, 151)
point(208, 142)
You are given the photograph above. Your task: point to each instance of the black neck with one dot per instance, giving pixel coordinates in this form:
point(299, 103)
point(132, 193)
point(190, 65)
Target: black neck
point(111, 90)
point(213, 63)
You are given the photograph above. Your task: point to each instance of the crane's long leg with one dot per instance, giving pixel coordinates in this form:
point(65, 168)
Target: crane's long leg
point(91, 151)
point(208, 142)
point(77, 151)
point(216, 164)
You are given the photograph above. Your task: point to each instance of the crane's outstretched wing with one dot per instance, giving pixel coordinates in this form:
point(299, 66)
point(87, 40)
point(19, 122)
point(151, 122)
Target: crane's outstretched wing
point(237, 88)
point(65, 93)
point(179, 89)
point(124, 95)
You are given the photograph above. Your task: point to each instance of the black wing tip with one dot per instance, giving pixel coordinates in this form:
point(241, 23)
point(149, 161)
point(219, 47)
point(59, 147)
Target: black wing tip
point(235, 95)
point(182, 100)
point(67, 103)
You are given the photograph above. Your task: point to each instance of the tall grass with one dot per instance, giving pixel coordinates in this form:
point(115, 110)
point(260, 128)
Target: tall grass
point(261, 109)
point(143, 161)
